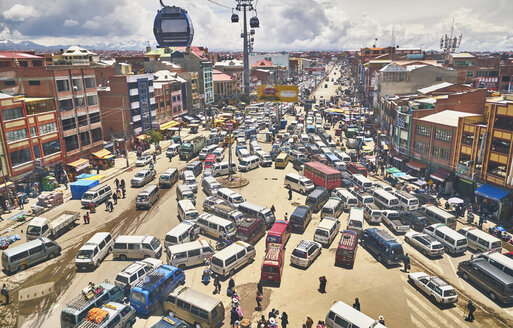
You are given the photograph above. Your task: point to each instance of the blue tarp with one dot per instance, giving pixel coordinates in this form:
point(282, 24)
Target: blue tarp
point(491, 192)
point(78, 188)
point(398, 174)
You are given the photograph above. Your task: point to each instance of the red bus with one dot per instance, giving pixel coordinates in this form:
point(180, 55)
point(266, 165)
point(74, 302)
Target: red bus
point(279, 233)
point(272, 266)
point(322, 175)
point(346, 250)
point(356, 168)
point(210, 161)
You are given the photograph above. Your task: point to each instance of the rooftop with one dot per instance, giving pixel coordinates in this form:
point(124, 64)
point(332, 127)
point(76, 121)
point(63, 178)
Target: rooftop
point(220, 76)
point(17, 55)
point(462, 55)
point(446, 117)
point(77, 51)
point(434, 87)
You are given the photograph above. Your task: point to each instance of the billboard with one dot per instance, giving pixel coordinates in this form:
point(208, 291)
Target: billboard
point(277, 93)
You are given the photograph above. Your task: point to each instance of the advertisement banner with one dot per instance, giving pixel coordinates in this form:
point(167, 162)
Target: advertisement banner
point(278, 93)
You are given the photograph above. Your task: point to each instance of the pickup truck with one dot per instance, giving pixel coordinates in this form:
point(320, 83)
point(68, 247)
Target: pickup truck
point(393, 220)
point(42, 227)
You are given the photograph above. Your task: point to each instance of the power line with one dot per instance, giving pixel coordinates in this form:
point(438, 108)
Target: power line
point(219, 4)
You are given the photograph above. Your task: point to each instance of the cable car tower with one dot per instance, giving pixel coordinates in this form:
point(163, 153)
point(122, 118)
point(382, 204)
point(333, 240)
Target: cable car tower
point(173, 27)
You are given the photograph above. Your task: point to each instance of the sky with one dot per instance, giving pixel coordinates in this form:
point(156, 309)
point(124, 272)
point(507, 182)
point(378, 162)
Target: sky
point(284, 24)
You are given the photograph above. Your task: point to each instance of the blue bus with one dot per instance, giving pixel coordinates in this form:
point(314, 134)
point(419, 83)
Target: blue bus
point(155, 287)
point(332, 158)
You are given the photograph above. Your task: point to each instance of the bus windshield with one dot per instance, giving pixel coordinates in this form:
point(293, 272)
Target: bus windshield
point(138, 297)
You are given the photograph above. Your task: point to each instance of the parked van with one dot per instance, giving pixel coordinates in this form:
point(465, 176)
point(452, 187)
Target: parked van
point(184, 232)
point(230, 196)
point(347, 198)
point(195, 166)
point(385, 200)
point(96, 195)
point(184, 192)
point(228, 260)
point(189, 254)
point(480, 241)
point(210, 185)
point(250, 230)
point(407, 201)
point(190, 180)
point(222, 169)
point(135, 247)
point(248, 163)
point(147, 197)
point(304, 138)
point(384, 246)
point(206, 151)
point(383, 185)
point(346, 249)
point(136, 271)
point(355, 221)
point(344, 157)
point(498, 260)
point(20, 257)
point(272, 265)
point(210, 161)
point(300, 218)
point(363, 198)
point(317, 198)
point(281, 161)
point(326, 231)
point(168, 178)
point(257, 211)
point(437, 215)
point(279, 233)
point(453, 241)
point(265, 159)
point(187, 211)
point(372, 213)
point(333, 208)
point(196, 308)
point(342, 315)
point(356, 168)
point(215, 226)
point(243, 153)
point(94, 251)
point(298, 183)
point(362, 182)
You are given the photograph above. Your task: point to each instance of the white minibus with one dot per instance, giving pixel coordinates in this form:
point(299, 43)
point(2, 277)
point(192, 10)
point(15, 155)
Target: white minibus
point(453, 241)
point(385, 200)
point(480, 241)
point(348, 199)
point(342, 315)
point(437, 215)
point(407, 201)
point(362, 182)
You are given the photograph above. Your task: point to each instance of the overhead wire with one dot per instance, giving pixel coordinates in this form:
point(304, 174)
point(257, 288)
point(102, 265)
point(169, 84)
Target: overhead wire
point(219, 4)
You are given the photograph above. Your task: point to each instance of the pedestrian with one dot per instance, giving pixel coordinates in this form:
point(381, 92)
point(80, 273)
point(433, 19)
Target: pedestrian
point(21, 201)
point(126, 289)
point(272, 314)
point(286, 216)
point(115, 198)
point(259, 298)
point(122, 184)
point(406, 261)
point(262, 322)
point(97, 169)
point(290, 193)
point(471, 308)
point(118, 192)
point(117, 183)
point(356, 304)
point(231, 285)
point(5, 293)
point(124, 193)
point(309, 321)
point(272, 323)
point(322, 284)
point(284, 320)
point(154, 158)
point(110, 206)
point(217, 284)
point(273, 209)
point(234, 316)
point(481, 221)
point(320, 324)
point(381, 320)
point(86, 218)
point(66, 184)
point(92, 208)
point(260, 287)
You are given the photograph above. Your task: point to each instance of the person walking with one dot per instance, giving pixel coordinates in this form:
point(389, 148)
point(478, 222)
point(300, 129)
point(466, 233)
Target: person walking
point(231, 285)
point(21, 201)
point(262, 322)
point(259, 298)
point(234, 316)
point(322, 284)
point(260, 287)
point(284, 319)
point(5, 293)
point(115, 198)
point(97, 169)
point(86, 218)
point(273, 209)
point(122, 184)
point(124, 193)
point(356, 304)
point(309, 322)
point(406, 261)
point(118, 192)
point(217, 284)
point(286, 217)
point(471, 308)
point(117, 183)
point(290, 193)
point(92, 208)
point(381, 320)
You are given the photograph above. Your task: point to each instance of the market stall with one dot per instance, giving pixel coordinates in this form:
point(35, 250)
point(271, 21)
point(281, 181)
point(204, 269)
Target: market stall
point(77, 167)
point(103, 158)
point(494, 200)
point(78, 188)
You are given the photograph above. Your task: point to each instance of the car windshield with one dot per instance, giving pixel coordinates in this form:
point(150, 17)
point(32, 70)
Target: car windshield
point(155, 243)
point(398, 251)
point(438, 246)
point(356, 224)
point(270, 269)
point(238, 200)
point(139, 175)
point(299, 253)
point(461, 242)
point(216, 261)
point(230, 227)
point(85, 254)
point(321, 232)
point(33, 230)
point(449, 293)
point(138, 297)
point(87, 196)
point(122, 279)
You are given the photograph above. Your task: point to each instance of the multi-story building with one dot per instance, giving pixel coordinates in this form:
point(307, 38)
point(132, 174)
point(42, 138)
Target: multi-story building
point(233, 68)
point(506, 76)
point(170, 96)
point(225, 86)
point(192, 91)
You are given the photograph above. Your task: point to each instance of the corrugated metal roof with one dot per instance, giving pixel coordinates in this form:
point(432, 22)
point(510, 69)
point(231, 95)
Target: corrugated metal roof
point(446, 117)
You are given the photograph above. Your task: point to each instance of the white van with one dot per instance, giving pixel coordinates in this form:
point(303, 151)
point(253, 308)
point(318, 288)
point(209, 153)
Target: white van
point(94, 251)
point(135, 271)
point(433, 213)
point(480, 241)
point(96, 195)
point(189, 254)
point(134, 247)
point(385, 200)
point(372, 213)
point(222, 169)
point(248, 163)
point(210, 185)
point(189, 179)
point(305, 138)
point(187, 211)
point(326, 231)
point(228, 260)
point(333, 208)
point(184, 232)
point(168, 178)
point(206, 151)
point(344, 157)
point(407, 201)
point(219, 152)
point(214, 226)
point(453, 241)
point(243, 153)
point(342, 315)
point(355, 221)
point(347, 198)
point(340, 166)
point(230, 196)
point(362, 182)
point(298, 183)
point(265, 159)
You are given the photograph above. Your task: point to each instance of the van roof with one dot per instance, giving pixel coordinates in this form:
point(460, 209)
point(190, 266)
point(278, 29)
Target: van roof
point(198, 299)
point(100, 187)
point(327, 223)
point(356, 317)
point(98, 238)
point(25, 246)
point(480, 233)
point(215, 219)
point(348, 238)
point(249, 222)
point(273, 253)
point(188, 246)
point(317, 192)
point(180, 228)
point(149, 188)
point(132, 239)
point(231, 250)
point(501, 275)
point(301, 210)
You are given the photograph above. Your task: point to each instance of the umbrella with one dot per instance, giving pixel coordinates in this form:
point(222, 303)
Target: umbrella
point(500, 228)
point(455, 200)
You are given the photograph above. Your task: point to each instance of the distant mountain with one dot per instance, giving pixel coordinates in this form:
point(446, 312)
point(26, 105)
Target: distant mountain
point(29, 45)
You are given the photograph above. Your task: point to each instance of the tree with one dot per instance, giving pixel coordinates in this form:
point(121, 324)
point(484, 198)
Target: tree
point(155, 137)
point(245, 98)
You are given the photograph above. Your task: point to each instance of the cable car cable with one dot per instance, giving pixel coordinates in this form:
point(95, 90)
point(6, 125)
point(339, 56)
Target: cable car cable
point(216, 4)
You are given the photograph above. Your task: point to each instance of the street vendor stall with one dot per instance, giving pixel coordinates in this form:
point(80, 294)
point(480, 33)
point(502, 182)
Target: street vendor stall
point(79, 187)
point(77, 167)
point(103, 158)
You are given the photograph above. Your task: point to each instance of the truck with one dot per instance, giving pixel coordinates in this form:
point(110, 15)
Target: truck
point(43, 227)
point(394, 221)
point(226, 212)
point(191, 148)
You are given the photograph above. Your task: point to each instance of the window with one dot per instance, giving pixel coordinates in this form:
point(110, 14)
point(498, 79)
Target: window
point(443, 135)
point(134, 246)
point(33, 131)
point(71, 142)
point(9, 82)
point(37, 63)
point(96, 135)
point(37, 153)
point(505, 78)
point(94, 117)
point(47, 128)
point(496, 169)
point(422, 130)
point(183, 305)
point(82, 120)
point(85, 139)
point(79, 101)
point(230, 260)
point(34, 82)
point(470, 74)
point(51, 147)
point(62, 85)
point(12, 113)
point(69, 124)
point(66, 104)
point(92, 100)
point(441, 152)
point(16, 135)
point(421, 147)
point(19, 157)
point(195, 252)
point(90, 82)
point(77, 84)
point(501, 146)
point(467, 138)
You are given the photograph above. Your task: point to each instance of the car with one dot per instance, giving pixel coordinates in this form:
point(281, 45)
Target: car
point(437, 290)
point(426, 244)
point(143, 160)
point(142, 177)
point(305, 253)
point(172, 151)
point(352, 143)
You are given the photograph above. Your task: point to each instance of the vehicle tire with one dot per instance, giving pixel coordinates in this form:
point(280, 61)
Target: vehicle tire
point(424, 252)
point(202, 231)
point(181, 267)
point(51, 255)
point(146, 256)
point(110, 250)
point(407, 240)
point(22, 267)
point(96, 264)
point(122, 257)
point(465, 276)
point(380, 259)
point(232, 272)
point(302, 192)
point(433, 299)
point(493, 297)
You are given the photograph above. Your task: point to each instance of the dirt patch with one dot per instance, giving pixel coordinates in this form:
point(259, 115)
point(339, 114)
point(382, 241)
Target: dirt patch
point(247, 296)
point(235, 182)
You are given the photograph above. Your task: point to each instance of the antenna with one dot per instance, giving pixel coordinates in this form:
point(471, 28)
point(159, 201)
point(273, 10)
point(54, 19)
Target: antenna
point(375, 42)
point(449, 44)
point(392, 42)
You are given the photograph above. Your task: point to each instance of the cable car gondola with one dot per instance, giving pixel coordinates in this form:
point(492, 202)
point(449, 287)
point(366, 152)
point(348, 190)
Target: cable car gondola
point(254, 22)
point(173, 27)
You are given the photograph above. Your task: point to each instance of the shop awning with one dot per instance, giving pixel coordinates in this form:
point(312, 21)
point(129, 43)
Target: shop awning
point(393, 170)
point(103, 154)
point(80, 164)
point(491, 192)
point(417, 166)
point(8, 184)
point(441, 175)
point(169, 124)
point(420, 183)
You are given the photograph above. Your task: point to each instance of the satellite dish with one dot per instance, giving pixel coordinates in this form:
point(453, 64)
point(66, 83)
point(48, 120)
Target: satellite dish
point(173, 27)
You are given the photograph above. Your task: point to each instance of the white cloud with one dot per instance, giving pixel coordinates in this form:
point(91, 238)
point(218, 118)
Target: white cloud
point(19, 13)
point(70, 23)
